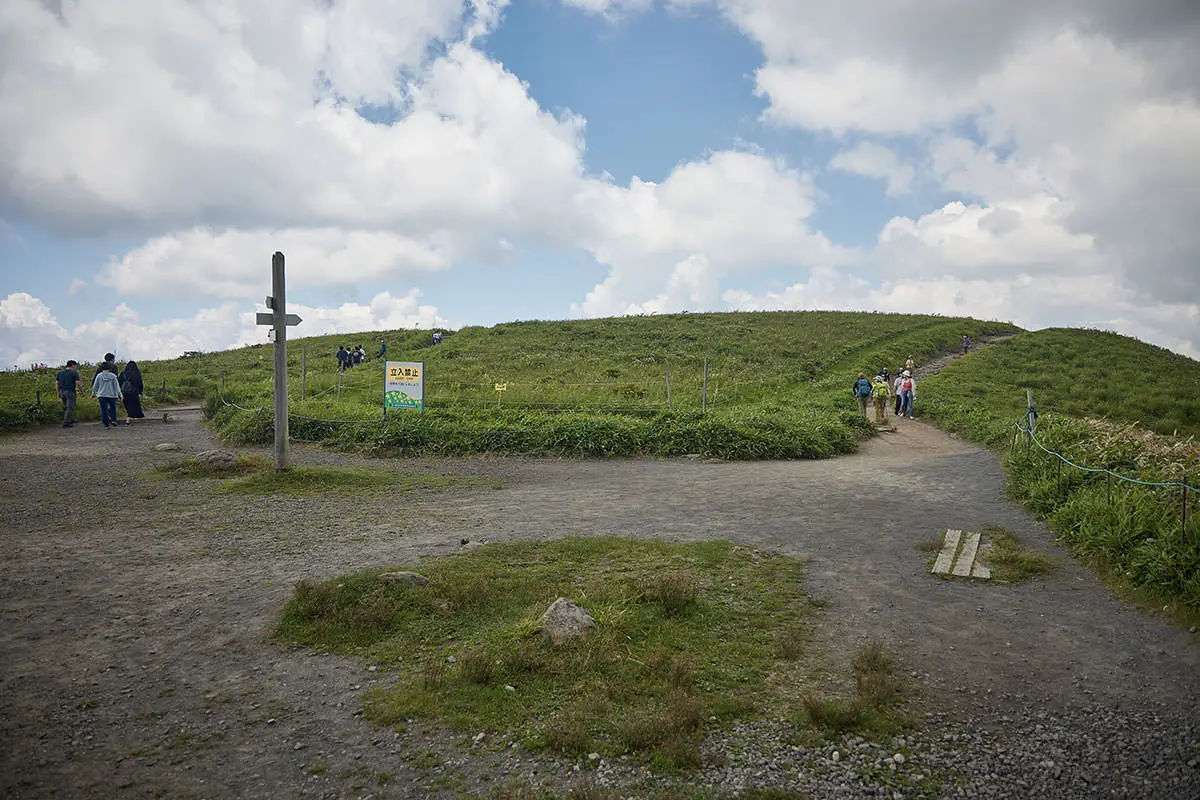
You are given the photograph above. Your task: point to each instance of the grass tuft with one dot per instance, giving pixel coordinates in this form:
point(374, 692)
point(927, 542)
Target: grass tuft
point(1010, 562)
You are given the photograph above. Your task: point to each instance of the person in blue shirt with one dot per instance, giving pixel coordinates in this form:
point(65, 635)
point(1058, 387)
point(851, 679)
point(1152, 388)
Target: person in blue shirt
point(382, 349)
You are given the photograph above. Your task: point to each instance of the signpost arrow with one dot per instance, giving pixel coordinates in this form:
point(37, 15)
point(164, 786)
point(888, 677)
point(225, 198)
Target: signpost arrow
point(263, 318)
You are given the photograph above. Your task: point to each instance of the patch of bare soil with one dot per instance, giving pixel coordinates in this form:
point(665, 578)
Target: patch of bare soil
point(134, 658)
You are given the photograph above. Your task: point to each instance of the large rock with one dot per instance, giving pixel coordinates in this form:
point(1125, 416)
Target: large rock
point(406, 578)
point(216, 457)
point(564, 621)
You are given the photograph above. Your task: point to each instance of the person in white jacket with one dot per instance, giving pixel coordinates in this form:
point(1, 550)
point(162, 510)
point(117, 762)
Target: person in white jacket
point(896, 391)
point(106, 388)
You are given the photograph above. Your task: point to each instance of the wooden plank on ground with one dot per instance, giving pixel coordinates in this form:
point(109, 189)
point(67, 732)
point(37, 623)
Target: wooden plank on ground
point(966, 559)
point(945, 558)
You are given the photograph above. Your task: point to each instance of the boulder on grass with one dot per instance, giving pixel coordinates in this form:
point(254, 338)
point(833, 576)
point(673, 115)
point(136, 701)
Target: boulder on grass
point(406, 578)
point(564, 621)
point(216, 457)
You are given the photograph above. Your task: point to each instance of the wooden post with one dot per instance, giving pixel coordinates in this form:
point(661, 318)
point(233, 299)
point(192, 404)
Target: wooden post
point(303, 373)
point(1183, 516)
point(339, 386)
point(1108, 476)
point(1060, 476)
point(278, 292)
point(668, 387)
point(704, 388)
point(163, 392)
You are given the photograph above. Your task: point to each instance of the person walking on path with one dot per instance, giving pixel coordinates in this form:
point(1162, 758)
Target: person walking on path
point(896, 391)
point(342, 355)
point(879, 391)
point(909, 364)
point(107, 389)
point(862, 391)
point(908, 392)
point(67, 381)
point(131, 392)
point(109, 359)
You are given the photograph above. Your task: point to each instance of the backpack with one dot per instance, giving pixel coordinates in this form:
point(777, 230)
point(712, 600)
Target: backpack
point(862, 388)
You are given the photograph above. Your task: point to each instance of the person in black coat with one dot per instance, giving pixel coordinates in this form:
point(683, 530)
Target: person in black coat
point(131, 391)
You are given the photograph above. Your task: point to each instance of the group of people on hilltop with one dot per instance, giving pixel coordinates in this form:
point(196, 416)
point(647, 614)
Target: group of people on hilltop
point(902, 391)
point(348, 357)
point(107, 387)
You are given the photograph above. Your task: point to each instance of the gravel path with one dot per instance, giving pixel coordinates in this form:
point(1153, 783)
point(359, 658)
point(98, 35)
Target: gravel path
point(134, 662)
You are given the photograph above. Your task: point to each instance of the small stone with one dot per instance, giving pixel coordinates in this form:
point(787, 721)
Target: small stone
point(899, 758)
point(406, 578)
point(216, 457)
point(593, 756)
point(1192, 629)
point(372, 668)
point(451, 660)
point(478, 737)
point(509, 688)
point(564, 621)
point(166, 447)
point(271, 721)
point(298, 746)
point(837, 755)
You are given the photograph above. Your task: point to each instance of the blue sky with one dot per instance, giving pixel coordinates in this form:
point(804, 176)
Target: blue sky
point(566, 158)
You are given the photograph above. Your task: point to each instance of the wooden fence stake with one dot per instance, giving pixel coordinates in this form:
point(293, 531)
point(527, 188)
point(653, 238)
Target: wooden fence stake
point(303, 373)
point(668, 387)
point(704, 389)
point(1108, 476)
point(1029, 417)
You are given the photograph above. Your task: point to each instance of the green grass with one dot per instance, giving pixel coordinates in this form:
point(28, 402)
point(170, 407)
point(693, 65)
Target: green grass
point(1008, 559)
point(684, 633)
point(255, 474)
point(302, 481)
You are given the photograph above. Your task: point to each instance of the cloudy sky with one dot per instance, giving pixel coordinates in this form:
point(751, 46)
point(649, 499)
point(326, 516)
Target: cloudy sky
point(456, 162)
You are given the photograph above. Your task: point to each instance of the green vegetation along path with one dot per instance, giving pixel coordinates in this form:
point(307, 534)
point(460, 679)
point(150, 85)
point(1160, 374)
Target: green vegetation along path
point(134, 658)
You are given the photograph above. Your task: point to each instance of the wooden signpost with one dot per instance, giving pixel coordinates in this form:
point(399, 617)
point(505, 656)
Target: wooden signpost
point(280, 320)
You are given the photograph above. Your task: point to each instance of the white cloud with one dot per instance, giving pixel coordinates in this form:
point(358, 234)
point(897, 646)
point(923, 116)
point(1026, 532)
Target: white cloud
point(233, 264)
point(610, 8)
point(876, 161)
point(732, 212)
point(30, 333)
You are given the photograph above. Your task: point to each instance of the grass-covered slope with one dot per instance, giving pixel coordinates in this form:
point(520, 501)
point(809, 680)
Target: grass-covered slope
point(1076, 373)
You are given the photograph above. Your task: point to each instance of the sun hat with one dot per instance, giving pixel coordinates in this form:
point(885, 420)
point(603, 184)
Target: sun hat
point(906, 374)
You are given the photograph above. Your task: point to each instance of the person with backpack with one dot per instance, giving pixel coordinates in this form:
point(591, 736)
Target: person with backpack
point(879, 391)
point(910, 364)
point(966, 343)
point(862, 391)
point(896, 391)
point(382, 349)
point(908, 392)
point(131, 392)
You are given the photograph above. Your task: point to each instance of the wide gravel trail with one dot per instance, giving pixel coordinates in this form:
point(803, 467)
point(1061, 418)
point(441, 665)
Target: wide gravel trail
point(134, 658)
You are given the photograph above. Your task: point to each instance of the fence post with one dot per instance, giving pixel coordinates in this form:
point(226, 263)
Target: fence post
point(163, 393)
point(704, 389)
point(1060, 476)
point(1029, 417)
point(1183, 515)
point(37, 398)
point(1108, 477)
point(303, 373)
point(668, 387)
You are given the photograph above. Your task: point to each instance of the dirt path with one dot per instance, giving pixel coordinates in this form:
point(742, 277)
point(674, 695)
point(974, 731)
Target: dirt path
point(134, 663)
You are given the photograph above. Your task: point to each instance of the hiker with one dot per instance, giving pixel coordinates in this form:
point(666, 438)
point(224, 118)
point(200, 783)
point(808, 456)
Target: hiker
point(862, 390)
point(342, 356)
point(131, 392)
point(109, 358)
point(107, 389)
point(908, 392)
point(359, 354)
point(66, 380)
point(437, 337)
point(966, 343)
point(879, 391)
point(909, 364)
point(382, 349)
point(886, 374)
point(896, 391)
